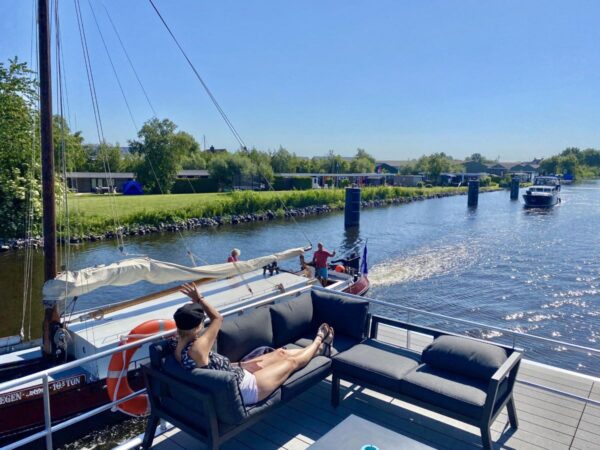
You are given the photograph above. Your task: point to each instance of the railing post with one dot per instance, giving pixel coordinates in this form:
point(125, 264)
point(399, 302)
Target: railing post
point(47, 416)
point(408, 340)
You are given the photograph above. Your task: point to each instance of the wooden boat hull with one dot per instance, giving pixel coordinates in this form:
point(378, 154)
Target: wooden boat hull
point(360, 286)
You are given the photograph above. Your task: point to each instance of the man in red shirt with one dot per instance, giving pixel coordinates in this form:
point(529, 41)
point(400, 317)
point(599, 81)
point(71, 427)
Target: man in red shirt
point(320, 263)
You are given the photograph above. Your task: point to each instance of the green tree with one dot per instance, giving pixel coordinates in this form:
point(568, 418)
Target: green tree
point(282, 161)
point(104, 158)
point(361, 153)
point(478, 157)
point(194, 161)
point(163, 148)
point(362, 165)
point(20, 187)
point(228, 168)
point(68, 146)
point(435, 164)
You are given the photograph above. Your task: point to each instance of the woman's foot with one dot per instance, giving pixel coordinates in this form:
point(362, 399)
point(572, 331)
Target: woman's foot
point(325, 347)
point(323, 331)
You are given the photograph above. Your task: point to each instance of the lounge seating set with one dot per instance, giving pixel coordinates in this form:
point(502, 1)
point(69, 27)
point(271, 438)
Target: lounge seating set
point(456, 376)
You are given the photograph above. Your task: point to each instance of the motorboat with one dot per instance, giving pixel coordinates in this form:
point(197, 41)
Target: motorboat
point(544, 193)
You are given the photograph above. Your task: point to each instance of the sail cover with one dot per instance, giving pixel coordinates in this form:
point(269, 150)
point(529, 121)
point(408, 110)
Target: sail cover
point(129, 271)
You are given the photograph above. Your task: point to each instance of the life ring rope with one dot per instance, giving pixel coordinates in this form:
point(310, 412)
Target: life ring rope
point(117, 384)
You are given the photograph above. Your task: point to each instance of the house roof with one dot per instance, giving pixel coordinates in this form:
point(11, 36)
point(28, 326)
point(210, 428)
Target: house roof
point(395, 162)
point(100, 175)
point(193, 173)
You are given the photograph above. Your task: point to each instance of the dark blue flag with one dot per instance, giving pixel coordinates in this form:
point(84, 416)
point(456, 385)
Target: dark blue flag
point(363, 265)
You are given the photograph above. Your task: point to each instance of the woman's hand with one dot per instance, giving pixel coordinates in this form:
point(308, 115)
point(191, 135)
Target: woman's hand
point(191, 290)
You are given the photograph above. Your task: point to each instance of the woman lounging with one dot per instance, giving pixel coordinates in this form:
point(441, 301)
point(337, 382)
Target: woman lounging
point(257, 377)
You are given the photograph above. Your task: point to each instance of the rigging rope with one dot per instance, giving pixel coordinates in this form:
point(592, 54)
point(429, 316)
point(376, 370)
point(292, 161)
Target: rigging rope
point(129, 59)
point(112, 65)
point(99, 128)
point(29, 219)
point(222, 113)
point(210, 94)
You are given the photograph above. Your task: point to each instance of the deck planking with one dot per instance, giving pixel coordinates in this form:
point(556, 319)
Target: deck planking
point(547, 420)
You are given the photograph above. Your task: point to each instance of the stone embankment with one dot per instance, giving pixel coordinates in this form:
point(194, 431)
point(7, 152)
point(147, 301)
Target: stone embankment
point(209, 222)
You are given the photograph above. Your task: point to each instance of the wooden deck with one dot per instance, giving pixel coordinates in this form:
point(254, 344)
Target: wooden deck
point(546, 420)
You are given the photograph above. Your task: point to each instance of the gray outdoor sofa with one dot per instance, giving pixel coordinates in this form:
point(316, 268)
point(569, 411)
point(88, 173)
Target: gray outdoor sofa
point(460, 377)
point(207, 403)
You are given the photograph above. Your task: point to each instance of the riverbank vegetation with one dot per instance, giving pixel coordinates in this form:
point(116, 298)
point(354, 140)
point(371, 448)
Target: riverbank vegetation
point(580, 164)
point(98, 214)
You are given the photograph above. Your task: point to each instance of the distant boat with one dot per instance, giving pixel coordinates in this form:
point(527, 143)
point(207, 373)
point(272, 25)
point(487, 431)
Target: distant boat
point(543, 194)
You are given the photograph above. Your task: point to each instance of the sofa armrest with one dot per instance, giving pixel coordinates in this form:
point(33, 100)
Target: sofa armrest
point(155, 379)
point(508, 366)
point(507, 371)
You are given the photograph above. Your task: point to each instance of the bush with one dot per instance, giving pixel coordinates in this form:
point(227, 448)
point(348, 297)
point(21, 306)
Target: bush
point(420, 184)
point(485, 181)
point(288, 184)
point(190, 186)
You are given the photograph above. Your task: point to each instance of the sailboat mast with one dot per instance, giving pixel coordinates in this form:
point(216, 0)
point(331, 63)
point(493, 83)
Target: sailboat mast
point(49, 214)
point(47, 146)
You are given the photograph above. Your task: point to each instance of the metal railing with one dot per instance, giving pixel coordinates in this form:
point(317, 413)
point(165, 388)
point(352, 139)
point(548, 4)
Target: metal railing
point(44, 375)
point(411, 312)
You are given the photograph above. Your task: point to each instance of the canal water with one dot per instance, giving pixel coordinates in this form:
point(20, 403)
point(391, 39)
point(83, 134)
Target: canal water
point(533, 271)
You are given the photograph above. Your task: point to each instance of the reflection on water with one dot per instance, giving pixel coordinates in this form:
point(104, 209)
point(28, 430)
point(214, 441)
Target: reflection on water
point(535, 271)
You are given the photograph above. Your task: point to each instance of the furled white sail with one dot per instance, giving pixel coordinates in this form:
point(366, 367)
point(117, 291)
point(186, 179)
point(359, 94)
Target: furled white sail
point(129, 271)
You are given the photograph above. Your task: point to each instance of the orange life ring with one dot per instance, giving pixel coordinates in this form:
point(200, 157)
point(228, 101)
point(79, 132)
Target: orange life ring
point(340, 268)
point(117, 384)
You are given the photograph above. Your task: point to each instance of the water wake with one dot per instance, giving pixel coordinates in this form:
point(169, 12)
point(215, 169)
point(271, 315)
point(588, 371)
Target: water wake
point(421, 264)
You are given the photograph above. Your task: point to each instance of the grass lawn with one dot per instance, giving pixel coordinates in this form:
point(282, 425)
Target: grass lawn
point(102, 204)
point(96, 213)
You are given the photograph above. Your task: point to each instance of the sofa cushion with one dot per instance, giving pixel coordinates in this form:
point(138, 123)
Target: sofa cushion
point(451, 391)
point(347, 316)
point(291, 320)
point(267, 403)
point(220, 384)
point(341, 343)
point(376, 362)
point(317, 369)
point(464, 356)
point(241, 335)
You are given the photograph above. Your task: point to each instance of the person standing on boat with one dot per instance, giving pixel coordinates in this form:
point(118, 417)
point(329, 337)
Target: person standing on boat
point(235, 255)
point(257, 376)
point(320, 263)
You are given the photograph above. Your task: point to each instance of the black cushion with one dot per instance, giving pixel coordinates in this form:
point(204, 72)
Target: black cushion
point(220, 384)
point(347, 316)
point(451, 391)
point(241, 335)
point(376, 362)
point(341, 343)
point(317, 369)
point(464, 356)
point(291, 320)
point(267, 403)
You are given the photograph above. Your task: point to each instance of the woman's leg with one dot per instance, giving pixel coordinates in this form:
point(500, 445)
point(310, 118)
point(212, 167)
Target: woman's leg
point(271, 377)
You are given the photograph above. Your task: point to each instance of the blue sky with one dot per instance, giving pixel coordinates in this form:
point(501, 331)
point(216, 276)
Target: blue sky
point(508, 79)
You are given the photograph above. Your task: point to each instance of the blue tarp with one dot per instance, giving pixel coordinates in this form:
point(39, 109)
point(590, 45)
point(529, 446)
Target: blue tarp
point(132, 188)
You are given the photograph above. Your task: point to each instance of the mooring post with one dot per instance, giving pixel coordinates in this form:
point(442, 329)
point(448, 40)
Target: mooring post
point(473, 196)
point(352, 207)
point(514, 188)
